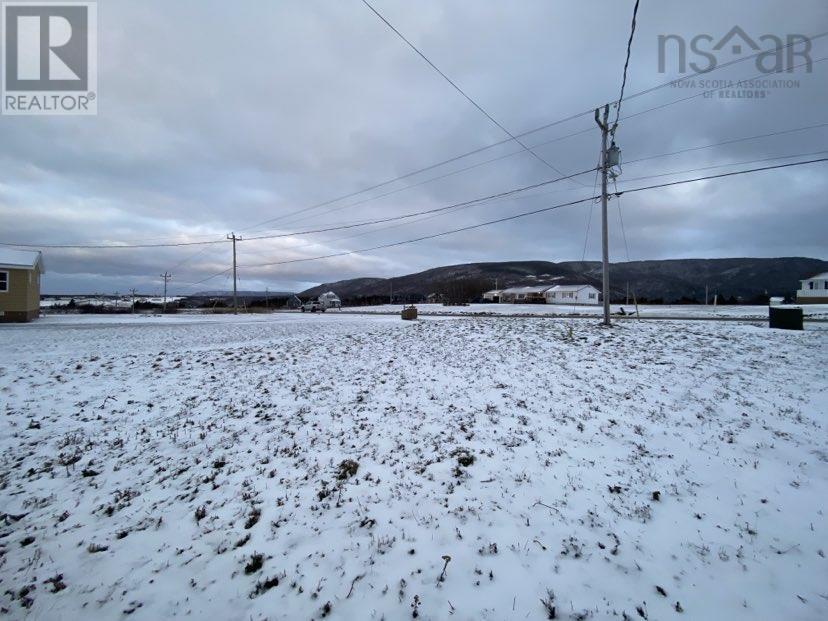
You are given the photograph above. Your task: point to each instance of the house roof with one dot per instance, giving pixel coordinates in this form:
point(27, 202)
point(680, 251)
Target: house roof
point(822, 276)
point(571, 287)
point(20, 259)
point(539, 289)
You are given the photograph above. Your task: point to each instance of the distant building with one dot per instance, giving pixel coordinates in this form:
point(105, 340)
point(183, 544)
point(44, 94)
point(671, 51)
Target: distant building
point(573, 294)
point(20, 272)
point(492, 296)
point(547, 294)
point(330, 300)
point(813, 290)
point(524, 295)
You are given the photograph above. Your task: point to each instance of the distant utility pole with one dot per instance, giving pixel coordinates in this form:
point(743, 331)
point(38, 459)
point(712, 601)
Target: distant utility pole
point(234, 239)
point(604, 125)
point(391, 293)
point(166, 276)
point(132, 291)
point(267, 295)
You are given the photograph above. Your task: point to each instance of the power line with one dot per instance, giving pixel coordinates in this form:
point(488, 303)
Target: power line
point(489, 201)
point(720, 176)
point(547, 142)
point(311, 231)
point(589, 217)
point(621, 219)
point(426, 211)
point(460, 90)
point(198, 282)
point(448, 207)
point(540, 128)
point(626, 66)
point(536, 211)
point(219, 241)
point(727, 142)
point(438, 209)
point(617, 194)
point(115, 246)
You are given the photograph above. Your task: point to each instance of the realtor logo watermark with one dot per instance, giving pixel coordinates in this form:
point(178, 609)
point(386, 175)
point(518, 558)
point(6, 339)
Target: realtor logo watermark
point(773, 56)
point(50, 58)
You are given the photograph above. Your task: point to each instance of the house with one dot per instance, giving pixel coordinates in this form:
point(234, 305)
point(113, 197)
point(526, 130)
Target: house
point(813, 290)
point(492, 296)
point(20, 272)
point(573, 294)
point(330, 300)
point(524, 295)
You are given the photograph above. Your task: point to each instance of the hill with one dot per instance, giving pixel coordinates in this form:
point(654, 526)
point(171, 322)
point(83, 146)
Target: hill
point(673, 280)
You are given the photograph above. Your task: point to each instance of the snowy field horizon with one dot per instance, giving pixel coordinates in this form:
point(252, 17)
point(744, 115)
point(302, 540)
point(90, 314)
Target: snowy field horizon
point(356, 466)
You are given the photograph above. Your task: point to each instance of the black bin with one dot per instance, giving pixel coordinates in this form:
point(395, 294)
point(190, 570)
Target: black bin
point(785, 318)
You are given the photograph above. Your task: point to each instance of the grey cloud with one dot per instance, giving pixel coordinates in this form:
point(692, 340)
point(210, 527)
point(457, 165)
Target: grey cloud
point(214, 116)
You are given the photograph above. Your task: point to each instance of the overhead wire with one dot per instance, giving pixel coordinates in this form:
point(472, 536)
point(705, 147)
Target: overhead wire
point(540, 128)
point(626, 67)
point(460, 90)
point(556, 139)
point(537, 211)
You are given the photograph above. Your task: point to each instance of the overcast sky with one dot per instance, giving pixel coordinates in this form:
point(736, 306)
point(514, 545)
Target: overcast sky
point(216, 116)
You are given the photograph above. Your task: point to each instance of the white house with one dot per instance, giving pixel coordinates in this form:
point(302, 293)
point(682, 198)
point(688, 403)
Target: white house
point(572, 294)
point(524, 295)
point(813, 290)
point(492, 296)
point(330, 300)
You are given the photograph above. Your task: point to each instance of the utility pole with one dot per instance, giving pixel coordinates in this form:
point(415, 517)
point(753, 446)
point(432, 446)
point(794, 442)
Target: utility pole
point(391, 293)
point(604, 125)
point(267, 295)
point(234, 238)
point(166, 276)
point(132, 291)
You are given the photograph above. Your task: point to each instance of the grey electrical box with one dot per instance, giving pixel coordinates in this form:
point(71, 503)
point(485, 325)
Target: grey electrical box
point(613, 156)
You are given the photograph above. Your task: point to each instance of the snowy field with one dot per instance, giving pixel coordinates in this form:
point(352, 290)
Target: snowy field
point(678, 311)
point(361, 467)
point(122, 302)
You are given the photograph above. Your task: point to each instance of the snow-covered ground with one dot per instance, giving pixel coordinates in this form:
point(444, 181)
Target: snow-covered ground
point(121, 302)
point(814, 311)
point(361, 467)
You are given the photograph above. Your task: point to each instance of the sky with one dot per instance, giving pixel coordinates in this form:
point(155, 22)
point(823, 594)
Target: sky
point(220, 117)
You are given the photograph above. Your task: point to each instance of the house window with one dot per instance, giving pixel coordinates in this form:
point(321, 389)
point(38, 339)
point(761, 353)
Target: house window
point(4, 282)
point(810, 284)
point(591, 296)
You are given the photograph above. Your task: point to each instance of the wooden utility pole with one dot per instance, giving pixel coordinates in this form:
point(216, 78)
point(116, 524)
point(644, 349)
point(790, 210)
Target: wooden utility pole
point(166, 276)
point(604, 125)
point(234, 239)
point(132, 291)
